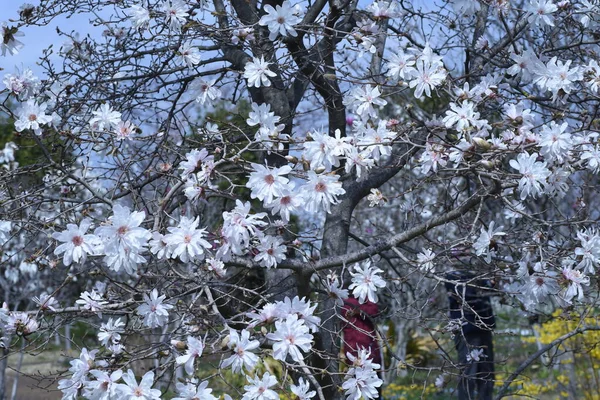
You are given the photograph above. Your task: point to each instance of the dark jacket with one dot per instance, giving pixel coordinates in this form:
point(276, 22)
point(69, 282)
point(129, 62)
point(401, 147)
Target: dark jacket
point(475, 308)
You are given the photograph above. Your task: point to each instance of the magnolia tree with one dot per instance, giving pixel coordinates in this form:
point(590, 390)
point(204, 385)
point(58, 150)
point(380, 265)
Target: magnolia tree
point(219, 176)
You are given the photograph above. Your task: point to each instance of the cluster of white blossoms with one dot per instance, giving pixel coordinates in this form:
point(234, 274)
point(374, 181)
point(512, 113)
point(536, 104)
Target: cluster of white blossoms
point(362, 381)
point(90, 380)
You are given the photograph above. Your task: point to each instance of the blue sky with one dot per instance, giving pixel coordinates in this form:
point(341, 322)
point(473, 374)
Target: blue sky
point(36, 38)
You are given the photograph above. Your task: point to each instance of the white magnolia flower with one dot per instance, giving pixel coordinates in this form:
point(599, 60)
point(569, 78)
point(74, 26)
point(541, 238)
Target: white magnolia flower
point(302, 390)
point(105, 387)
point(32, 116)
point(110, 332)
point(260, 388)
point(153, 310)
point(291, 337)
point(267, 183)
point(365, 282)
point(281, 19)
point(175, 13)
point(534, 174)
point(475, 355)
point(140, 17)
point(425, 260)
point(242, 347)
point(76, 243)
point(257, 72)
point(105, 118)
point(194, 350)
point(131, 390)
point(321, 191)
point(190, 55)
point(271, 251)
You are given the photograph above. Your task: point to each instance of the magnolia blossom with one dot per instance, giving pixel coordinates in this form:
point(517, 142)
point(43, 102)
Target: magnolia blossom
point(541, 11)
point(363, 98)
point(280, 20)
point(140, 17)
point(475, 355)
point(302, 390)
point(267, 183)
point(175, 13)
point(8, 41)
point(242, 347)
point(426, 78)
point(206, 91)
point(534, 174)
point(105, 117)
point(194, 350)
point(32, 116)
point(131, 390)
point(105, 387)
point(185, 241)
point(321, 191)
point(190, 54)
point(365, 282)
point(425, 260)
point(271, 251)
point(260, 388)
point(192, 391)
point(257, 72)
point(153, 310)
point(76, 243)
point(291, 337)
point(486, 239)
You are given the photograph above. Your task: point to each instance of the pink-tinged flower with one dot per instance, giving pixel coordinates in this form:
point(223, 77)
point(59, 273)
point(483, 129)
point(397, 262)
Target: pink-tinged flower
point(92, 301)
point(194, 160)
point(291, 337)
point(400, 66)
point(175, 13)
point(105, 387)
point(257, 72)
point(281, 20)
point(321, 191)
point(365, 282)
point(364, 98)
point(259, 388)
point(190, 55)
point(541, 11)
point(185, 241)
point(45, 302)
point(288, 202)
point(124, 130)
point(242, 347)
point(206, 91)
point(266, 183)
point(153, 310)
point(194, 350)
point(426, 78)
point(76, 243)
point(131, 390)
point(32, 116)
point(534, 173)
point(271, 251)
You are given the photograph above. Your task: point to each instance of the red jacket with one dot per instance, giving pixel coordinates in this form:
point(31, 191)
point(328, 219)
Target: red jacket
point(359, 332)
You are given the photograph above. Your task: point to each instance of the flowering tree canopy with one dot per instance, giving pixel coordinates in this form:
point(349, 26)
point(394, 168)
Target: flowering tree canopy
point(215, 178)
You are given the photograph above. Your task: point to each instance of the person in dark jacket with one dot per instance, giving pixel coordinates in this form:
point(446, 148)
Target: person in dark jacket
point(474, 342)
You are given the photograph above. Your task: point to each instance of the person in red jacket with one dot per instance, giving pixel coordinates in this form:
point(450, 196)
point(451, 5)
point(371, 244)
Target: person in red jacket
point(359, 332)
